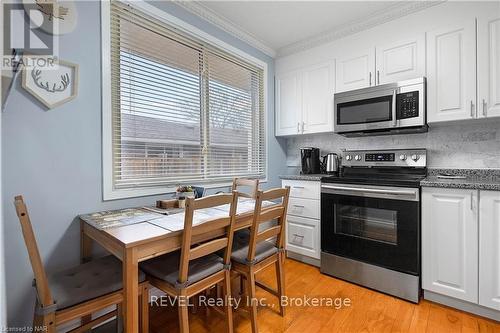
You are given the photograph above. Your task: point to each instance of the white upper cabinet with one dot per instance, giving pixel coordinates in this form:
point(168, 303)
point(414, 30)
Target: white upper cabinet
point(450, 242)
point(318, 92)
point(489, 249)
point(304, 100)
point(355, 70)
point(288, 104)
point(402, 60)
point(451, 69)
point(488, 64)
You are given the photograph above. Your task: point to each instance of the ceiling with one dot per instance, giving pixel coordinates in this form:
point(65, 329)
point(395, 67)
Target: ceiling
point(277, 26)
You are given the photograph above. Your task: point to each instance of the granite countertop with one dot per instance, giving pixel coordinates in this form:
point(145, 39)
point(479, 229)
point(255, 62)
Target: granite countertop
point(481, 179)
point(311, 177)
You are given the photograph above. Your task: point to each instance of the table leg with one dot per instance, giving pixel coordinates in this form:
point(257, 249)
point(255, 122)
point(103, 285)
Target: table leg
point(131, 290)
point(85, 245)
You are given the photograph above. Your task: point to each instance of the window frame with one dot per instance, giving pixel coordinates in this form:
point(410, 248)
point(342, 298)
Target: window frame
point(109, 191)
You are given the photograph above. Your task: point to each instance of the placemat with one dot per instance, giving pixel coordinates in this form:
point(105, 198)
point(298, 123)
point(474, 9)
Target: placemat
point(118, 218)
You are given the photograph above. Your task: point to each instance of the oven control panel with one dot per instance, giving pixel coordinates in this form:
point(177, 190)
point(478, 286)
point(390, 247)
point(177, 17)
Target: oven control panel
point(383, 157)
point(393, 158)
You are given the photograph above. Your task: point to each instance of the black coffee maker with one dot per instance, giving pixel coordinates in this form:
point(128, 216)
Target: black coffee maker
point(309, 158)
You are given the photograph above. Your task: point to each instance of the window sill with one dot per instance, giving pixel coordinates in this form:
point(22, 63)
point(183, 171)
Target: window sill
point(116, 194)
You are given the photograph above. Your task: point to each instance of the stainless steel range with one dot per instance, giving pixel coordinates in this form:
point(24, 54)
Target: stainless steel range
point(370, 220)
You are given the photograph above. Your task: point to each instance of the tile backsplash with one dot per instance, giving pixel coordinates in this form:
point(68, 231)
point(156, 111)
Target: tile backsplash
point(472, 144)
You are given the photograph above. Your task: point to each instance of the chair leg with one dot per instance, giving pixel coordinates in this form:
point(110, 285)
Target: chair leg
point(252, 300)
point(183, 317)
point(45, 323)
point(242, 285)
point(280, 276)
point(119, 318)
point(227, 294)
point(145, 310)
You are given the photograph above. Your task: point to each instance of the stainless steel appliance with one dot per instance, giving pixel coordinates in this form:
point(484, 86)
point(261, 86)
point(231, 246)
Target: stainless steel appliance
point(331, 163)
point(392, 108)
point(370, 220)
point(310, 162)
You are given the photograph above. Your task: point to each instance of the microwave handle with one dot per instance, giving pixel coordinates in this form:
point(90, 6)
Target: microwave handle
point(394, 120)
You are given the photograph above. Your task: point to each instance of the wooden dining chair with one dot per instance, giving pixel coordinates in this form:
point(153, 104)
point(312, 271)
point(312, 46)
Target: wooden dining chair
point(77, 292)
point(265, 247)
point(197, 267)
point(246, 188)
point(252, 185)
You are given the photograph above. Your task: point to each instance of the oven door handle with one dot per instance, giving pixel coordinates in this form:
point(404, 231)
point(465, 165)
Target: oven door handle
point(357, 191)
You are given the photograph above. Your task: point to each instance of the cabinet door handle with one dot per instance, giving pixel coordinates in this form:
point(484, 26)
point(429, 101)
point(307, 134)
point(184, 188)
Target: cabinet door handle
point(297, 235)
point(303, 127)
point(378, 77)
point(298, 127)
point(370, 79)
point(298, 187)
point(298, 206)
point(472, 108)
point(485, 112)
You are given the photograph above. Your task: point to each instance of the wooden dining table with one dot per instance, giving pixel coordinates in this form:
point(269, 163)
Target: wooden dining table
point(137, 242)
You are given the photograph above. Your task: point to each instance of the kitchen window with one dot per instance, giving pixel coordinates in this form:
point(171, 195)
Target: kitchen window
point(181, 109)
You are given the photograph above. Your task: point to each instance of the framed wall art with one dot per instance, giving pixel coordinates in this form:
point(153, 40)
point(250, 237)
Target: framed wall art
point(52, 85)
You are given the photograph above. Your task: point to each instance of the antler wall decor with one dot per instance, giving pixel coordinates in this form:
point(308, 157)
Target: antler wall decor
point(36, 74)
point(51, 86)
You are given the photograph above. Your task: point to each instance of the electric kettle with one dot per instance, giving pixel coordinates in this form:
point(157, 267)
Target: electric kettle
point(331, 163)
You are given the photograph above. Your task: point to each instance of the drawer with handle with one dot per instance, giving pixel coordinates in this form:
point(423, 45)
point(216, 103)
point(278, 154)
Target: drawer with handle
point(303, 188)
point(302, 236)
point(304, 208)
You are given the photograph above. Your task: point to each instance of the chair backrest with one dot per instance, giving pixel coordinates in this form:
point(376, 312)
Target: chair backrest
point(251, 184)
point(42, 285)
point(200, 233)
point(261, 215)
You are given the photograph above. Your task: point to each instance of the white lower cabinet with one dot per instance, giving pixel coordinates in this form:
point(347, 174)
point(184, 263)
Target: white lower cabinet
point(450, 242)
point(489, 249)
point(461, 244)
point(302, 231)
point(302, 236)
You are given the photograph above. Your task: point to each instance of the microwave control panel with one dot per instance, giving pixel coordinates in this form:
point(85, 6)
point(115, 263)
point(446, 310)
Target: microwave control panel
point(407, 105)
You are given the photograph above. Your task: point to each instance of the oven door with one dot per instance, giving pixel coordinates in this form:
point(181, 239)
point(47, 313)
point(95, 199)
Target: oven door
point(373, 224)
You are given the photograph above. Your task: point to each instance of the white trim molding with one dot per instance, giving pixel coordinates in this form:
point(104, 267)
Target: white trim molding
point(399, 9)
point(395, 11)
point(109, 191)
point(207, 14)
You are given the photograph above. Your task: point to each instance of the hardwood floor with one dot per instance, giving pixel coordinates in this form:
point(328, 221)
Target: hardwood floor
point(369, 311)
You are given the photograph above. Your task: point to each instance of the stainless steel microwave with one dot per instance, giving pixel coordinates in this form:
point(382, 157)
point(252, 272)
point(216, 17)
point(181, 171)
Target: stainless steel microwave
point(392, 108)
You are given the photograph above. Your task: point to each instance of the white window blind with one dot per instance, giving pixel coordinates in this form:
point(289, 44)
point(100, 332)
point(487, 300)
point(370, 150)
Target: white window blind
point(182, 111)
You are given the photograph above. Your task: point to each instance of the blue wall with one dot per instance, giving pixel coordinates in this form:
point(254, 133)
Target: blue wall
point(53, 158)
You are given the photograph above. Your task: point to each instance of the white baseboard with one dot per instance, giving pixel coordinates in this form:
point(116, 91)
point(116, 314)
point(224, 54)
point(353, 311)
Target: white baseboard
point(303, 258)
point(462, 305)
